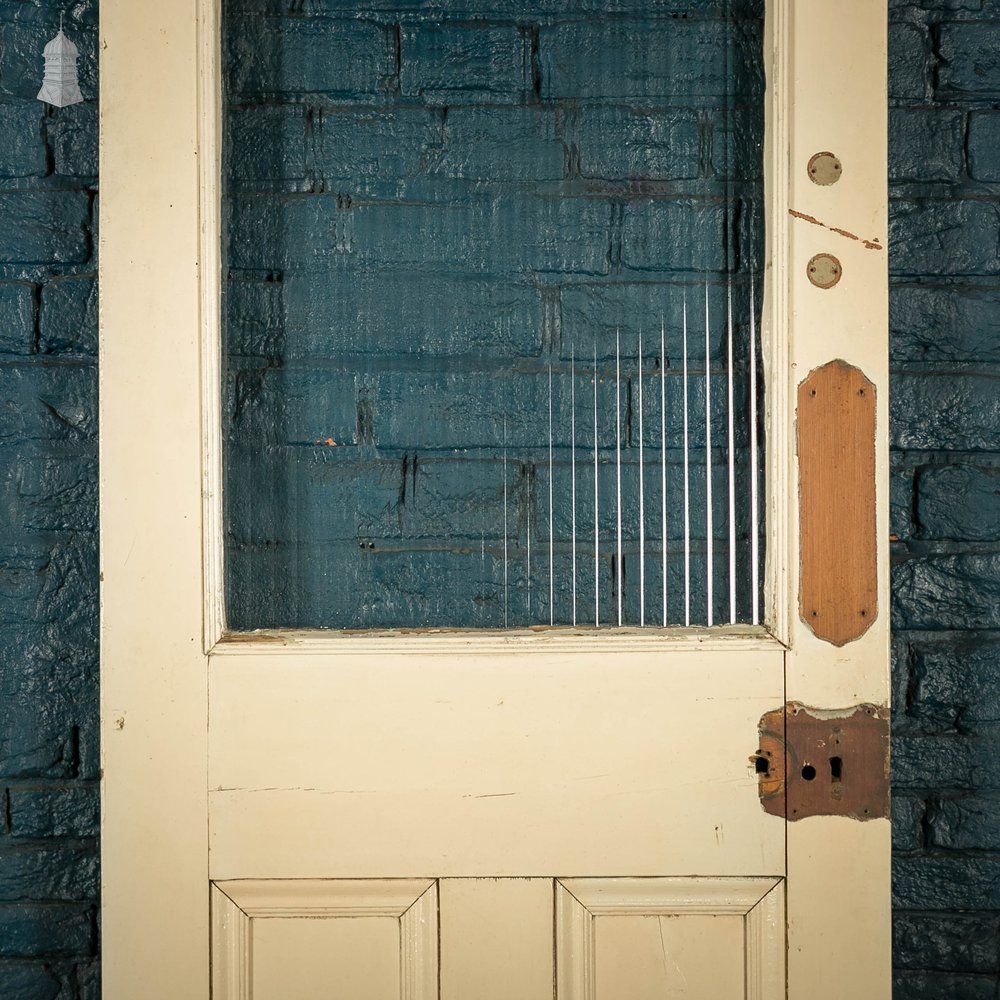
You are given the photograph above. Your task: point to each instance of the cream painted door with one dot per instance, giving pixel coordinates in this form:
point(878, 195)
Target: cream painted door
point(461, 816)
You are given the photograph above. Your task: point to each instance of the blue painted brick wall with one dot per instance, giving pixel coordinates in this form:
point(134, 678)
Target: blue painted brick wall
point(48, 515)
point(945, 430)
point(431, 209)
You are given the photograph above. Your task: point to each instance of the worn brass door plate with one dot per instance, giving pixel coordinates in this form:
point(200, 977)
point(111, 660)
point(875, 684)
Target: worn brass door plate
point(814, 762)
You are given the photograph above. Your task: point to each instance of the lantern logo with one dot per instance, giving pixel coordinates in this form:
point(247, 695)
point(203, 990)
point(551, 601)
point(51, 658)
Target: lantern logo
point(60, 85)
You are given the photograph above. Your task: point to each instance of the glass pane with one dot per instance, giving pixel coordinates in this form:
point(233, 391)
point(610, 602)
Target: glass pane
point(461, 242)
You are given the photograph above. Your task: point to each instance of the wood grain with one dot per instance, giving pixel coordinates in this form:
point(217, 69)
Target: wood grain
point(838, 595)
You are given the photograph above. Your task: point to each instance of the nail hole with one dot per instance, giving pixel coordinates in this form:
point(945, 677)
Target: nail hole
point(864, 614)
point(808, 772)
point(836, 768)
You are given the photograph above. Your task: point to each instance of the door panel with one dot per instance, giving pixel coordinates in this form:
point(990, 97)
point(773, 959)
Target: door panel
point(496, 938)
point(520, 764)
point(293, 940)
point(596, 939)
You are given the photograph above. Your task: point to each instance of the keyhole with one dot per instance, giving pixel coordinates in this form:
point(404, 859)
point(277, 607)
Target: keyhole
point(808, 772)
point(836, 765)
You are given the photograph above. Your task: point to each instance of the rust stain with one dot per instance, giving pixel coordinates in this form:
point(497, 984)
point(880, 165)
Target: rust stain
point(813, 762)
point(872, 244)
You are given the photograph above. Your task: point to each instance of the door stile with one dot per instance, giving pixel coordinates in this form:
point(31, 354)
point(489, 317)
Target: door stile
point(838, 867)
point(154, 685)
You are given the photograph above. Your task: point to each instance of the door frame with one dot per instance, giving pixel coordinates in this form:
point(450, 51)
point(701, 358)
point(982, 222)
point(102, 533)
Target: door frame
point(160, 476)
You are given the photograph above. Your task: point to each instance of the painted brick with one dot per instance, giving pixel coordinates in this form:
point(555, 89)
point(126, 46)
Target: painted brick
point(31, 981)
point(955, 410)
point(266, 143)
point(937, 5)
point(402, 315)
point(907, 818)
point(626, 143)
point(941, 985)
point(956, 681)
point(32, 930)
point(676, 58)
point(959, 502)
point(457, 498)
point(88, 980)
point(431, 410)
point(376, 588)
point(72, 133)
point(54, 812)
point(596, 309)
point(50, 492)
point(953, 942)
point(55, 404)
point(965, 824)
point(375, 153)
point(970, 58)
point(947, 882)
point(451, 63)
point(48, 581)
point(950, 237)
point(68, 317)
point(909, 50)
point(24, 155)
point(506, 9)
point(48, 873)
point(39, 740)
point(44, 227)
point(984, 145)
point(927, 144)
point(338, 58)
point(901, 503)
point(944, 323)
point(947, 592)
point(651, 236)
point(920, 762)
point(17, 317)
point(501, 235)
point(503, 144)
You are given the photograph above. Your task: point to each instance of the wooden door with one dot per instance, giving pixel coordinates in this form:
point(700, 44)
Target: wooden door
point(491, 815)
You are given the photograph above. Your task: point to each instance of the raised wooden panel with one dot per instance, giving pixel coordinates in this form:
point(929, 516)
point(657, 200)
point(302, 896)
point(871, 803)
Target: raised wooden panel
point(692, 938)
point(496, 939)
point(298, 939)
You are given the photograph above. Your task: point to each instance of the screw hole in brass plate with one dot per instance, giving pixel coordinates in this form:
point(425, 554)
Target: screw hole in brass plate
point(824, 270)
point(825, 168)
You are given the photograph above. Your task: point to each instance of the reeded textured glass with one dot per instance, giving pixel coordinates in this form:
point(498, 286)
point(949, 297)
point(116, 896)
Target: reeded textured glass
point(461, 241)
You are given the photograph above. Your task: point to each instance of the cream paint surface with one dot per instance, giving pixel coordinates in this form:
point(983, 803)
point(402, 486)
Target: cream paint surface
point(511, 765)
point(838, 869)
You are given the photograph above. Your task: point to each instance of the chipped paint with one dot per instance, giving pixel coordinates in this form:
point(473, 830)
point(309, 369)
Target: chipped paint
point(872, 244)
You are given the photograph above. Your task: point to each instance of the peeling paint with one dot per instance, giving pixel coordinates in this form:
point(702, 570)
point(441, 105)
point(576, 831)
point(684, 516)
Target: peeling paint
point(872, 244)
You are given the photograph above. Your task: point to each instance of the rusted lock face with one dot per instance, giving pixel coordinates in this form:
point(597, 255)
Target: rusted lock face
point(813, 762)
